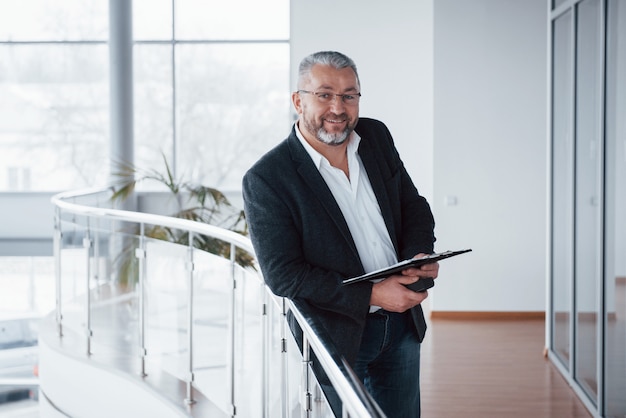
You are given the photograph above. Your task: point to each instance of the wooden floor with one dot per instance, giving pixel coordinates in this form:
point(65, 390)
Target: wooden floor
point(492, 368)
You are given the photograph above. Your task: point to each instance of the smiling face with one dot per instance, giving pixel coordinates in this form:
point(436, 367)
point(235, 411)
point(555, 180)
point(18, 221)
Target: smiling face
point(330, 122)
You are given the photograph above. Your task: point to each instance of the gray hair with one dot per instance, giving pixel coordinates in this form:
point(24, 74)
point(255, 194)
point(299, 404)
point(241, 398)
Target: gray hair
point(334, 59)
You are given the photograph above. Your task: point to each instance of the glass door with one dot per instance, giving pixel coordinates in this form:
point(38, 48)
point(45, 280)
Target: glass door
point(615, 209)
point(588, 194)
point(587, 305)
point(562, 186)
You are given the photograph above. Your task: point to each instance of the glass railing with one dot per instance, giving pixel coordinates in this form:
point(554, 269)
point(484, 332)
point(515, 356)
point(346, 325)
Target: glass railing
point(158, 307)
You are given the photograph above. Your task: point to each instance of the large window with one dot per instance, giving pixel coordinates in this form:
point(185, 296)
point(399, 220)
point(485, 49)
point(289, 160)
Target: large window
point(53, 94)
point(211, 89)
point(211, 85)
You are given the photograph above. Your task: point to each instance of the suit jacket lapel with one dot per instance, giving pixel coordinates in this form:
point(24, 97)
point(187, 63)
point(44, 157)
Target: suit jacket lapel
point(368, 157)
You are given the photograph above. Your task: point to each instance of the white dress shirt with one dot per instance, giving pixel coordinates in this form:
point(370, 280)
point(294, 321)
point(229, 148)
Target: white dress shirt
point(358, 204)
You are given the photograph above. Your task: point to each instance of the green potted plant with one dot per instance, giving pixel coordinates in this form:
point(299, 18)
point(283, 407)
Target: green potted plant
point(193, 202)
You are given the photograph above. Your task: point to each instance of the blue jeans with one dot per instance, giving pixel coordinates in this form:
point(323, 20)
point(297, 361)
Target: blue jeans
point(388, 363)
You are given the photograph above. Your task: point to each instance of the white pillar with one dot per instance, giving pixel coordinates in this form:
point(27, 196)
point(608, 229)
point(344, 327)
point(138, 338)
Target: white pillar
point(121, 89)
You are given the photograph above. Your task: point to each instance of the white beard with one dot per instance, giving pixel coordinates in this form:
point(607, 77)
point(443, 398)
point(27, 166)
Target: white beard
point(332, 139)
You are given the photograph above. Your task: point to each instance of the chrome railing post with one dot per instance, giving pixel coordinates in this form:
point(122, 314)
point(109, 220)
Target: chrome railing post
point(284, 379)
point(96, 255)
point(306, 396)
point(190, 270)
point(140, 254)
point(233, 324)
point(58, 240)
point(88, 245)
point(265, 347)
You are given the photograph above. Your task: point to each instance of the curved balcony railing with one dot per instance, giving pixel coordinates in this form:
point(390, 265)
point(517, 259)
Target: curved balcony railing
point(151, 307)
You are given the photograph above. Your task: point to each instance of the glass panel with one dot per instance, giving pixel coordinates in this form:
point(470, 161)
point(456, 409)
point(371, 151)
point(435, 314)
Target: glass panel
point(249, 382)
point(234, 19)
point(73, 260)
point(152, 20)
point(54, 127)
point(44, 20)
point(588, 193)
point(153, 107)
point(232, 105)
point(166, 290)
point(213, 350)
point(562, 186)
point(115, 309)
point(212, 305)
point(615, 228)
point(212, 301)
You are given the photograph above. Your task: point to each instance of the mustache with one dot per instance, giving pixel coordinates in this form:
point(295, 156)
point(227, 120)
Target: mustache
point(333, 116)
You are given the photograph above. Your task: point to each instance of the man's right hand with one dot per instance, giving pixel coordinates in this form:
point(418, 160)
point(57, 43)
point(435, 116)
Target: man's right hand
point(391, 294)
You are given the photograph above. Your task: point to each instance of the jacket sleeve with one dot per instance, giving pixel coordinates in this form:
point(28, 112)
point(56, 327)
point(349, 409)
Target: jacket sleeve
point(292, 255)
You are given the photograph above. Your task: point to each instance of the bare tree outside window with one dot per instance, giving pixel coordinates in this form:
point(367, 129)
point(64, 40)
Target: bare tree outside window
point(214, 104)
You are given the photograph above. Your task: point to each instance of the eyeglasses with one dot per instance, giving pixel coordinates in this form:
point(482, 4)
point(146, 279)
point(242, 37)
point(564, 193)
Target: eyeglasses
point(325, 98)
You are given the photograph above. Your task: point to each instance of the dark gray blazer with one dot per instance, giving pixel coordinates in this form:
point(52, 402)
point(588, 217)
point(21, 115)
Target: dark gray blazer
point(302, 241)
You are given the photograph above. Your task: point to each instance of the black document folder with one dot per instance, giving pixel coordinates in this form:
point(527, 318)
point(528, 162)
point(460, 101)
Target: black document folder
point(402, 265)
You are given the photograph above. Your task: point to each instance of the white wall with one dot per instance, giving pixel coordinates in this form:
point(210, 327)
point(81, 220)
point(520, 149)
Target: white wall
point(26, 223)
point(35, 219)
point(391, 43)
point(490, 153)
point(483, 139)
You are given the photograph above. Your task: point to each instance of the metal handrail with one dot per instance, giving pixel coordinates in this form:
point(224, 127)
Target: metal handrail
point(355, 402)
point(334, 365)
point(59, 201)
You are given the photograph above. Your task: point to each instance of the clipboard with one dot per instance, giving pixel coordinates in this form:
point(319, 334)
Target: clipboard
point(402, 265)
